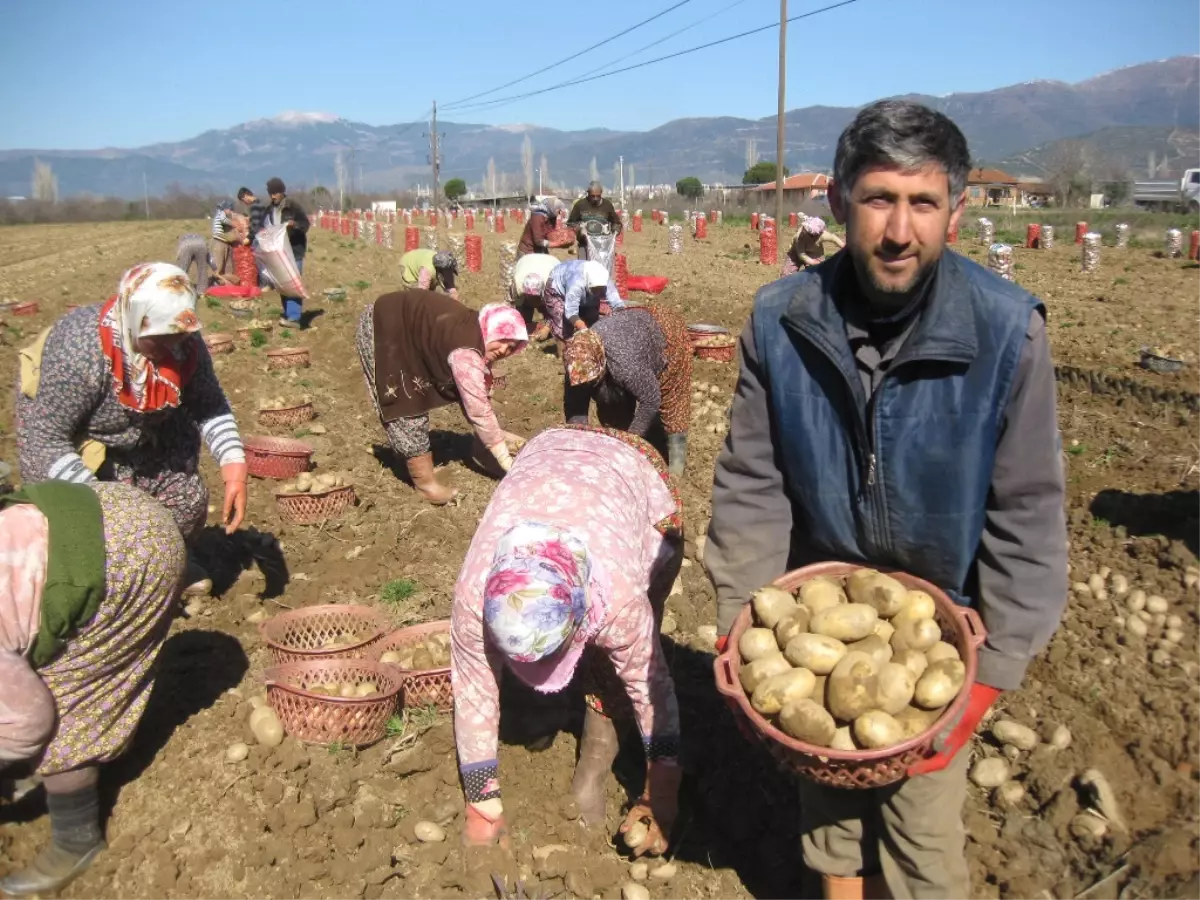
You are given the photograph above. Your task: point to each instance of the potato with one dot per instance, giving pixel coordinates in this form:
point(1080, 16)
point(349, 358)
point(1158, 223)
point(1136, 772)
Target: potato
point(304, 482)
point(422, 659)
point(266, 727)
point(939, 684)
point(391, 656)
point(916, 721)
point(913, 660)
point(771, 604)
point(821, 593)
point(366, 689)
point(885, 629)
point(843, 739)
point(806, 720)
point(915, 634)
point(883, 592)
point(917, 605)
point(874, 646)
point(348, 689)
point(815, 652)
point(852, 686)
point(322, 482)
point(941, 650)
point(753, 674)
point(755, 643)
point(896, 686)
point(794, 623)
point(875, 730)
point(775, 692)
point(847, 622)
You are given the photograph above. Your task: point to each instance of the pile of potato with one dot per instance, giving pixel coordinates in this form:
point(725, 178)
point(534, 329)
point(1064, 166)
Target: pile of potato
point(431, 653)
point(276, 403)
point(345, 689)
point(306, 483)
point(717, 340)
point(857, 664)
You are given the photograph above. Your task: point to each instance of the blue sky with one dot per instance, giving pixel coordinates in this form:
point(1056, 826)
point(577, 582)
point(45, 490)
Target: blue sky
point(78, 74)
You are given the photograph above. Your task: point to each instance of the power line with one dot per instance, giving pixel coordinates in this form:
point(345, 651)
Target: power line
point(607, 40)
point(651, 62)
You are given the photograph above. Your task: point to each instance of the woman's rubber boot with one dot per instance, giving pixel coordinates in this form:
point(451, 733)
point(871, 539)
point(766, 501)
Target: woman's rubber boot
point(196, 582)
point(420, 470)
point(598, 746)
point(76, 842)
point(677, 453)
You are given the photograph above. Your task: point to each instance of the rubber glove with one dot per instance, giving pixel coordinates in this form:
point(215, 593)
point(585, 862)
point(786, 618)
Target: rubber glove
point(954, 736)
point(483, 829)
point(234, 475)
point(660, 804)
point(503, 457)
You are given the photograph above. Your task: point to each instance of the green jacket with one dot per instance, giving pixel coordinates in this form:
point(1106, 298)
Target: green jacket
point(75, 579)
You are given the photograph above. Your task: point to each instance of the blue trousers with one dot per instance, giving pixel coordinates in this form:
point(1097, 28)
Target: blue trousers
point(293, 307)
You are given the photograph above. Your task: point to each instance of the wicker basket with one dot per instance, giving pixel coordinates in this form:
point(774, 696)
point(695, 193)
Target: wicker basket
point(724, 352)
point(298, 635)
point(422, 687)
point(28, 308)
point(335, 293)
point(699, 332)
point(288, 417)
point(288, 358)
point(244, 333)
point(219, 343)
point(241, 312)
point(319, 719)
point(272, 457)
point(961, 627)
point(315, 507)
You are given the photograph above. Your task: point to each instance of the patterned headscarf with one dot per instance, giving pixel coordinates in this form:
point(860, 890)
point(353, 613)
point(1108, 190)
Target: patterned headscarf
point(153, 300)
point(538, 609)
point(501, 322)
point(584, 358)
point(532, 285)
point(814, 225)
point(444, 260)
point(595, 273)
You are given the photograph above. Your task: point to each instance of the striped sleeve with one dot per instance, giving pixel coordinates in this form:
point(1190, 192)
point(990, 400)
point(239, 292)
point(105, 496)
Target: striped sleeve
point(70, 467)
point(223, 440)
point(218, 224)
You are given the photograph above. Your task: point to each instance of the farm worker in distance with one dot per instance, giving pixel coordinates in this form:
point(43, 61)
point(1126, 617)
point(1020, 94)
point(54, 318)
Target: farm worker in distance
point(287, 212)
point(421, 350)
point(593, 208)
point(192, 250)
point(896, 408)
point(543, 215)
point(228, 230)
point(427, 271)
point(530, 275)
point(572, 562)
point(637, 365)
point(88, 580)
point(125, 391)
point(573, 294)
point(810, 246)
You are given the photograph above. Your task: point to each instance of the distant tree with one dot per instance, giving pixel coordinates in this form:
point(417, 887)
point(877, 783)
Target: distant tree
point(593, 170)
point(1066, 173)
point(455, 188)
point(689, 187)
point(45, 183)
point(527, 163)
point(762, 172)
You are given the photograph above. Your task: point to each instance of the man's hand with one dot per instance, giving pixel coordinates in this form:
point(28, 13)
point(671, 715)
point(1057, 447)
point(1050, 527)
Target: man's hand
point(954, 736)
point(234, 511)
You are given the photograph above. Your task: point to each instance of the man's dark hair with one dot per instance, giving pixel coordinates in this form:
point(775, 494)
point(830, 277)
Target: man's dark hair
point(903, 135)
point(243, 193)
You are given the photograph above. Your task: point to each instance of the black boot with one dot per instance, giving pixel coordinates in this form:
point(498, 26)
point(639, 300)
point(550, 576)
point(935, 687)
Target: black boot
point(76, 841)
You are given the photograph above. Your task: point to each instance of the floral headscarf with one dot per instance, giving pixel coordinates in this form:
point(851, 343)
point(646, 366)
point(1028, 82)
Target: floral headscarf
point(501, 322)
point(584, 357)
point(538, 605)
point(532, 285)
point(813, 225)
point(444, 261)
point(153, 300)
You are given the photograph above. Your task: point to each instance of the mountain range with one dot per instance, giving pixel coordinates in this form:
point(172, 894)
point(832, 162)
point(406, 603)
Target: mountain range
point(1121, 116)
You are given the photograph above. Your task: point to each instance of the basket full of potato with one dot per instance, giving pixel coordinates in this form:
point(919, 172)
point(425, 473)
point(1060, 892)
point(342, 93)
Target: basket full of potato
point(846, 673)
point(284, 413)
point(421, 653)
point(311, 499)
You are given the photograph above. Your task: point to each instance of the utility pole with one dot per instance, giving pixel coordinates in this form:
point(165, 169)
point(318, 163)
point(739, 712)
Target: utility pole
point(433, 143)
point(145, 193)
point(781, 127)
point(621, 159)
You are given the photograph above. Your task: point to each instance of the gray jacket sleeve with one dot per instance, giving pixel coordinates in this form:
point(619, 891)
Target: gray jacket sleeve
point(750, 533)
point(1022, 559)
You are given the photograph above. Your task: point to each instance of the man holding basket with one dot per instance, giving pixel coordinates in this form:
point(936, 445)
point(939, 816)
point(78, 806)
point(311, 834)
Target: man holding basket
point(896, 409)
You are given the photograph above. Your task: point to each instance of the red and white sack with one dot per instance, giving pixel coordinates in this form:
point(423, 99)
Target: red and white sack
point(273, 249)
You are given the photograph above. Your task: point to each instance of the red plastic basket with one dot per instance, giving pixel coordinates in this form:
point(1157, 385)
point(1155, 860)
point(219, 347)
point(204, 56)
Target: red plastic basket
point(288, 417)
point(961, 626)
point(719, 353)
point(272, 457)
point(28, 308)
point(299, 634)
point(320, 719)
point(422, 687)
point(315, 507)
point(219, 343)
point(288, 358)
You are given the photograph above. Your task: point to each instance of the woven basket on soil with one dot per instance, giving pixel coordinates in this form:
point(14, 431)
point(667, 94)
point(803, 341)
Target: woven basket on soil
point(244, 333)
point(961, 627)
point(288, 417)
point(700, 331)
point(422, 687)
point(287, 358)
point(219, 343)
point(272, 457)
point(301, 634)
point(241, 312)
point(319, 719)
point(28, 308)
point(717, 353)
point(315, 507)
